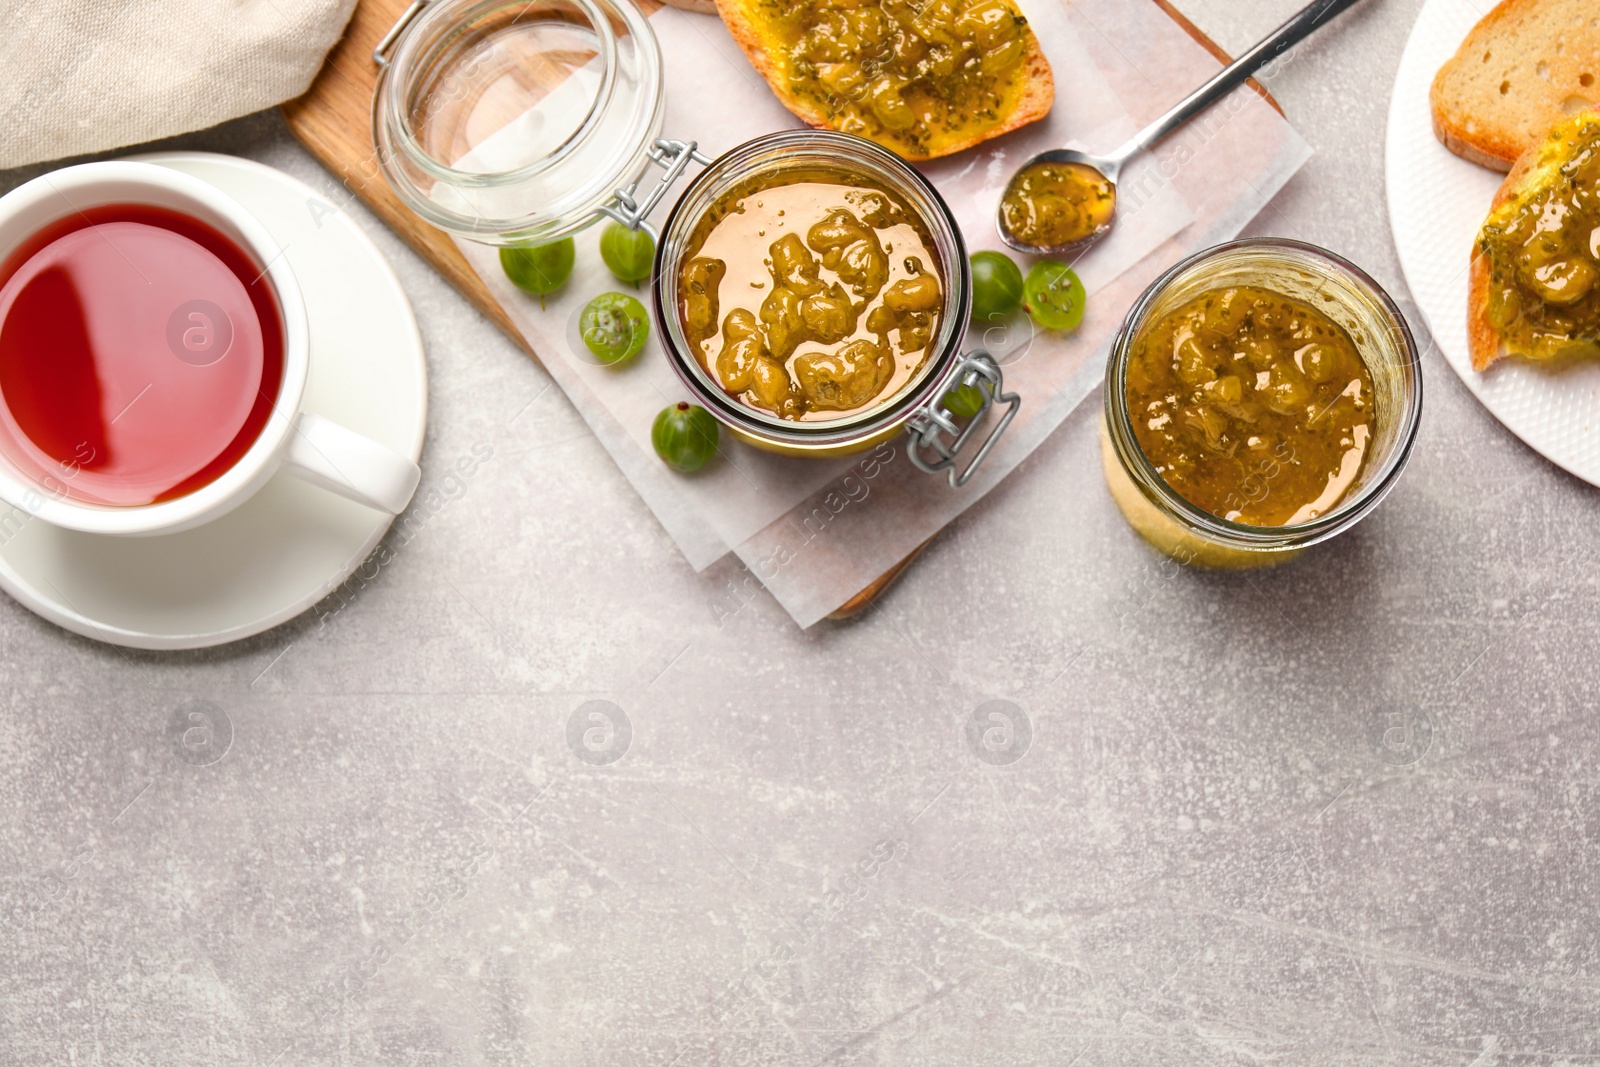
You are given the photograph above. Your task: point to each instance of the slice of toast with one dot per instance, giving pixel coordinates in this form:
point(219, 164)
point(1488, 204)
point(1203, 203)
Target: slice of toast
point(759, 26)
point(1524, 66)
point(1538, 168)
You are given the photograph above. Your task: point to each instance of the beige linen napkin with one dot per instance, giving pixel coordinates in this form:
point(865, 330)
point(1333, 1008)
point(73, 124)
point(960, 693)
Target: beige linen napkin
point(88, 75)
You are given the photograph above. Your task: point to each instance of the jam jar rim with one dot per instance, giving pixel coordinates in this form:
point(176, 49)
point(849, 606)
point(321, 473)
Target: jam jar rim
point(759, 155)
point(1347, 512)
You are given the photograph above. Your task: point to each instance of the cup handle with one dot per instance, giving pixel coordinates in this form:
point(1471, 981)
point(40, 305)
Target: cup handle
point(358, 468)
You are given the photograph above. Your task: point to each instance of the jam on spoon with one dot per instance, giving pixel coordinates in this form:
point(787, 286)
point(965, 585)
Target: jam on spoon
point(1064, 197)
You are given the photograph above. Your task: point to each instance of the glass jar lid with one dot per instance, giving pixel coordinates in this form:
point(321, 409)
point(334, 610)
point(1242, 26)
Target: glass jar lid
point(514, 122)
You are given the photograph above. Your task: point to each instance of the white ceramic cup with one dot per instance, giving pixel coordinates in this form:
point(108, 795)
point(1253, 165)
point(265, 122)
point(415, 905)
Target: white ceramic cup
point(305, 445)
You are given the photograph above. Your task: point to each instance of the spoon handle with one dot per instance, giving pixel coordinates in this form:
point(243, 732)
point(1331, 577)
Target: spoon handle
point(1299, 27)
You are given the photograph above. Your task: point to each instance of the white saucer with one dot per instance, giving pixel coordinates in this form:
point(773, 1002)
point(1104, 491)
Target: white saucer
point(291, 544)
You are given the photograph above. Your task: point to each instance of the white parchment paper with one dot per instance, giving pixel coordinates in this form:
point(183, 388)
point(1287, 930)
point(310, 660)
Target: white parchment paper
point(816, 532)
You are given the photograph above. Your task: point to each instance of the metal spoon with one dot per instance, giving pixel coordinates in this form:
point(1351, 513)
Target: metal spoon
point(1107, 167)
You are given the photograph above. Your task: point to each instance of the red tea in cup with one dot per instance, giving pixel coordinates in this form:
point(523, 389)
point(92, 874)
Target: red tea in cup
point(141, 353)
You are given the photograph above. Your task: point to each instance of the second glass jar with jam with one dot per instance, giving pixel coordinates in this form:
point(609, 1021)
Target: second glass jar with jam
point(840, 284)
point(1261, 396)
point(1252, 405)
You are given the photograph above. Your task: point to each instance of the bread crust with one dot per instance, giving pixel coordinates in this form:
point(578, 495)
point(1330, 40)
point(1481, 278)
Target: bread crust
point(1458, 115)
point(699, 7)
point(1482, 338)
point(1038, 90)
point(1485, 151)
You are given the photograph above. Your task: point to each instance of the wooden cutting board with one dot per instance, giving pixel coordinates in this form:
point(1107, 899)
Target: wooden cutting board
point(333, 120)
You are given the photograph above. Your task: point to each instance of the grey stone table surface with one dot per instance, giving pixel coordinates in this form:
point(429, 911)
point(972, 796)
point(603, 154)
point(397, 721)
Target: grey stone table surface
point(1341, 812)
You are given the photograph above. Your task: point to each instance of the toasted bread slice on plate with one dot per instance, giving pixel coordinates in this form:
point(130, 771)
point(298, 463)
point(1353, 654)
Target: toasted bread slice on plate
point(923, 78)
point(1534, 289)
point(1525, 66)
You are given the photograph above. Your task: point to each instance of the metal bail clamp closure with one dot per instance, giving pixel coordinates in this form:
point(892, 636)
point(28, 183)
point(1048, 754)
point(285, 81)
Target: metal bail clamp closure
point(672, 156)
point(931, 425)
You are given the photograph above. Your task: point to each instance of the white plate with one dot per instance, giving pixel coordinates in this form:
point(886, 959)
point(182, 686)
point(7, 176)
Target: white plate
point(1437, 201)
point(292, 543)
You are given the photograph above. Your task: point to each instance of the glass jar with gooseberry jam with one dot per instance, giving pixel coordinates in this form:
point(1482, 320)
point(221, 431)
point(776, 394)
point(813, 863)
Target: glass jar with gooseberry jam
point(1382, 340)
